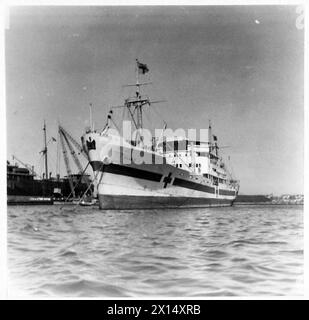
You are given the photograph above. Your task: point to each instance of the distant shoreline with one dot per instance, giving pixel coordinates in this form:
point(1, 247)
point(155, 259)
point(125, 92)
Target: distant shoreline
point(268, 200)
point(266, 203)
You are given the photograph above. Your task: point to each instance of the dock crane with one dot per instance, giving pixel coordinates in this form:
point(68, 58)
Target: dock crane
point(72, 151)
point(67, 164)
point(76, 144)
point(66, 139)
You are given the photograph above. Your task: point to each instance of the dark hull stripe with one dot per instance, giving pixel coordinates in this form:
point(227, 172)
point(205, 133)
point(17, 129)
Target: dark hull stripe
point(127, 171)
point(226, 193)
point(152, 176)
point(97, 165)
point(193, 185)
point(138, 202)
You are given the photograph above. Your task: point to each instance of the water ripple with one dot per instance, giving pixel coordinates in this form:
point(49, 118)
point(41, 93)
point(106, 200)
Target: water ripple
point(235, 251)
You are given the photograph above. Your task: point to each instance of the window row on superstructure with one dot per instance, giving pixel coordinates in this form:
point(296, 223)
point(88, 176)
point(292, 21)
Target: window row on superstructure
point(190, 165)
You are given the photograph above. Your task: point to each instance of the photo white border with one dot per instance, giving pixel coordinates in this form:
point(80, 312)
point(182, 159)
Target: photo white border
point(4, 22)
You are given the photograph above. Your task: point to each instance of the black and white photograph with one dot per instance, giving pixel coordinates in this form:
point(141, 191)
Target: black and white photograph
point(154, 151)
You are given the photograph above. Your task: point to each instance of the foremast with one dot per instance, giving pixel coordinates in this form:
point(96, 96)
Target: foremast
point(135, 104)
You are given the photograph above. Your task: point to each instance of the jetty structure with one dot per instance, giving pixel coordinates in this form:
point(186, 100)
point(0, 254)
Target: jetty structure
point(167, 172)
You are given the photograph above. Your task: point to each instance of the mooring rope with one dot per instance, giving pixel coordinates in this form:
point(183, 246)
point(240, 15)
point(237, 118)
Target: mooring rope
point(80, 179)
point(79, 201)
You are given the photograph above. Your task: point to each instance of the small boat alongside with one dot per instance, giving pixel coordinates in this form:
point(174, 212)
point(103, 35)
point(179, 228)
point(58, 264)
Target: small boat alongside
point(88, 203)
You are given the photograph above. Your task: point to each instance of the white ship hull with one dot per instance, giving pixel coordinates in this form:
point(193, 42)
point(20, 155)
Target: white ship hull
point(133, 172)
point(146, 186)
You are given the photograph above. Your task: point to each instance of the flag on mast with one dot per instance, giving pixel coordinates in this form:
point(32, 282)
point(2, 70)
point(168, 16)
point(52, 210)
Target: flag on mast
point(142, 68)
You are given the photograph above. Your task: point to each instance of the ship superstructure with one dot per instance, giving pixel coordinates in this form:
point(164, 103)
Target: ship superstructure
point(134, 171)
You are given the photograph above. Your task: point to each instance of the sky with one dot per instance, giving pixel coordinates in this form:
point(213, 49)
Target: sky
point(240, 66)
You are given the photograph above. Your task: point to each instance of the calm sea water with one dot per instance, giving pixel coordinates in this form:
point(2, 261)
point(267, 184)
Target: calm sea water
point(235, 251)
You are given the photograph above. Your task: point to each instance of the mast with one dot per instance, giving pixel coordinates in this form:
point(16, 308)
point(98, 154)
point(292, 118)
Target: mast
point(137, 79)
point(209, 145)
point(209, 135)
point(91, 118)
point(135, 103)
point(192, 155)
point(139, 115)
point(45, 151)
